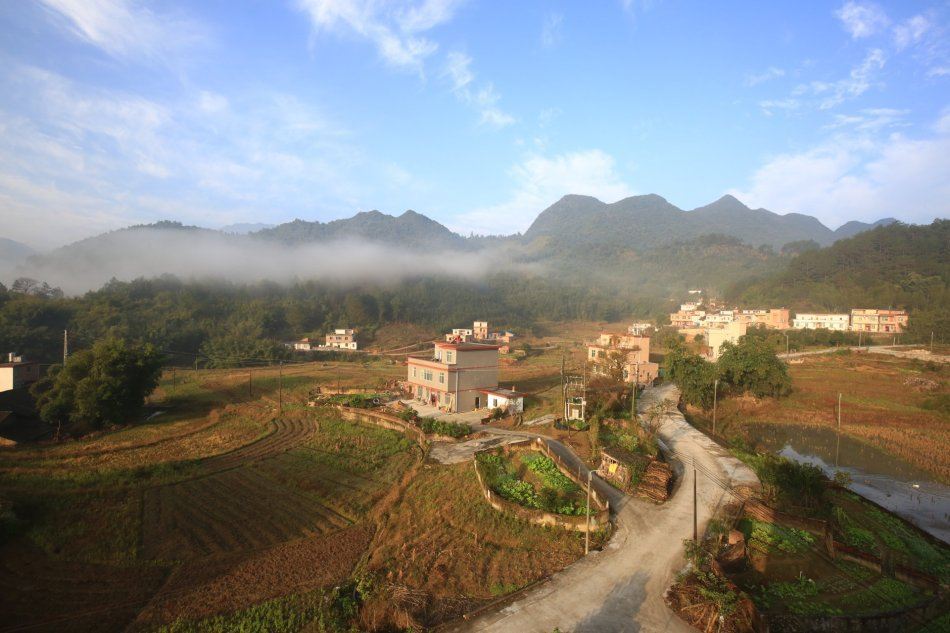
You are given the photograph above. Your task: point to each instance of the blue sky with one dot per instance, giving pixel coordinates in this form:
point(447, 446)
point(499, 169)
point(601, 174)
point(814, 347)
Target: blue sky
point(478, 114)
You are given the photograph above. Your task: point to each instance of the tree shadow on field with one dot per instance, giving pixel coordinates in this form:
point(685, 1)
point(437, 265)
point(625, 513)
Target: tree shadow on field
point(621, 605)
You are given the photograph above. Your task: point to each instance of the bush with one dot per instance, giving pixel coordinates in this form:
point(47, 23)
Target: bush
point(443, 427)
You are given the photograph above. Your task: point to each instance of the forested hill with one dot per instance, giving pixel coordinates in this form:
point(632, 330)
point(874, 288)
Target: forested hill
point(650, 220)
point(410, 229)
point(899, 265)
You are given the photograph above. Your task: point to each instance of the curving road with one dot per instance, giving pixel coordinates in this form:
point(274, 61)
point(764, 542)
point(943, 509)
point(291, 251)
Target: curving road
point(621, 588)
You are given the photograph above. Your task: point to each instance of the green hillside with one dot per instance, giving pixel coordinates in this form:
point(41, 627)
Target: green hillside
point(900, 266)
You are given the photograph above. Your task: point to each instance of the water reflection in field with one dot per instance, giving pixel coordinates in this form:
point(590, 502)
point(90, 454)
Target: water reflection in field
point(900, 487)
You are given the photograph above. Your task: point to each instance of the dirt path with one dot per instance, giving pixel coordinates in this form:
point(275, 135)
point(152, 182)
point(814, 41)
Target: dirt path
point(621, 588)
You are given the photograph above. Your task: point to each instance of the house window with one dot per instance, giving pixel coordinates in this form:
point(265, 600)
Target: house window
point(413, 372)
point(442, 377)
point(427, 374)
point(448, 357)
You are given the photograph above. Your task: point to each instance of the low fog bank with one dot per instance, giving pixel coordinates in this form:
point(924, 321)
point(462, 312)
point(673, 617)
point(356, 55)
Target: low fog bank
point(207, 255)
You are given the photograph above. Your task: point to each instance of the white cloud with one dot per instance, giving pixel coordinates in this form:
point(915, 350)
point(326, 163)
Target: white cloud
point(870, 119)
point(911, 31)
point(395, 28)
point(862, 19)
point(542, 180)
point(484, 99)
point(770, 105)
point(551, 30)
point(768, 74)
point(211, 102)
point(124, 28)
point(859, 174)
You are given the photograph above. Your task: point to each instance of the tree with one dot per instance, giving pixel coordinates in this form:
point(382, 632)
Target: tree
point(693, 375)
point(752, 366)
point(98, 387)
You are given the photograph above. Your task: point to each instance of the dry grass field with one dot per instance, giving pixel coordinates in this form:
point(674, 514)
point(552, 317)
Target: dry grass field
point(218, 512)
point(888, 402)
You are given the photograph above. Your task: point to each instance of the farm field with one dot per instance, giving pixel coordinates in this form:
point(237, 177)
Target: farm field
point(897, 405)
point(217, 513)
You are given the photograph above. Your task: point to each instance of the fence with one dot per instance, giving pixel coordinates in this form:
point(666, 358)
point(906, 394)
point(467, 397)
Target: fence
point(600, 508)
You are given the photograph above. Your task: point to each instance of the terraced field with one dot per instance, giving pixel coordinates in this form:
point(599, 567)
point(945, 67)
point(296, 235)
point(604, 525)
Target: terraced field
point(280, 510)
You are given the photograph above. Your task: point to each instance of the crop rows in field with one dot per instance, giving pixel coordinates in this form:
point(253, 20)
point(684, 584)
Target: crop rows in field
point(232, 510)
point(48, 594)
point(288, 433)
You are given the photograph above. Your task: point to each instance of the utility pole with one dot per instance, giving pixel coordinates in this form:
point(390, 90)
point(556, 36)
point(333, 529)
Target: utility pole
point(838, 434)
point(174, 380)
point(280, 388)
point(196, 367)
point(931, 341)
point(66, 345)
point(695, 512)
point(859, 337)
point(786, 343)
point(587, 531)
point(715, 399)
point(563, 393)
point(250, 393)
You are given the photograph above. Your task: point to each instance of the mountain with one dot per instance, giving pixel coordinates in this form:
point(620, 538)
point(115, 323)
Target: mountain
point(894, 265)
point(12, 254)
point(411, 230)
point(852, 228)
point(243, 228)
point(650, 220)
point(643, 244)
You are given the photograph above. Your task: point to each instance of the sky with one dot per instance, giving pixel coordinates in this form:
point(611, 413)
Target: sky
point(478, 114)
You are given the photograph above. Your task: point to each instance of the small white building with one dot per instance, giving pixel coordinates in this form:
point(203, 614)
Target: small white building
point(809, 321)
point(509, 399)
point(639, 329)
point(17, 373)
point(304, 345)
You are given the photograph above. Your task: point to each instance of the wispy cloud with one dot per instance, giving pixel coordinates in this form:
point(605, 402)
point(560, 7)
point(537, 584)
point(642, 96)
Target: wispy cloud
point(484, 99)
point(541, 180)
point(911, 31)
point(828, 94)
point(126, 29)
point(767, 75)
point(396, 28)
point(551, 30)
point(862, 19)
point(69, 152)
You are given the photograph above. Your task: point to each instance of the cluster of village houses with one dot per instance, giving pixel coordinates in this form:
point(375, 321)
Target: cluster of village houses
point(338, 339)
point(717, 326)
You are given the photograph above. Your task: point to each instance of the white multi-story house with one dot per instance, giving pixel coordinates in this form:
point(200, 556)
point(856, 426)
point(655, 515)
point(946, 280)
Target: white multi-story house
point(815, 321)
point(456, 376)
point(342, 338)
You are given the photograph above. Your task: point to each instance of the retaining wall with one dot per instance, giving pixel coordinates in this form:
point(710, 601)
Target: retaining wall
point(386, 421)
point(600, 508)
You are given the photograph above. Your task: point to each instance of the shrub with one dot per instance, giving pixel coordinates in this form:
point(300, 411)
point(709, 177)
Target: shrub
point(444, 427)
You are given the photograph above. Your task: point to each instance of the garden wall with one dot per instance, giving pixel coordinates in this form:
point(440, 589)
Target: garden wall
point(600, 508)
point(386, 421)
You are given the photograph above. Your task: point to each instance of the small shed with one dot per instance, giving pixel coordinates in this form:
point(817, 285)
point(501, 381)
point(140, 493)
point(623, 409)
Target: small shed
point(508, 399)
point(617, 465)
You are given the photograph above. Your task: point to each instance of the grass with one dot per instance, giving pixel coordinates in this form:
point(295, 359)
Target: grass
point(287, 614)
point(878, 408)
point(442, 539)
point(773, 537)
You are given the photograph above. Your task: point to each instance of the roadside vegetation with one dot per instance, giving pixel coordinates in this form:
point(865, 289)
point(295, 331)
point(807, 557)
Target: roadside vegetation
point(533, 480)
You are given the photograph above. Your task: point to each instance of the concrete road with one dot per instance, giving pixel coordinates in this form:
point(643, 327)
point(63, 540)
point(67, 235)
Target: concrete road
point(621, 588)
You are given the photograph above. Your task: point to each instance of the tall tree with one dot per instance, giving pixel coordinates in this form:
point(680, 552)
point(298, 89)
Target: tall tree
point(101, 386)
